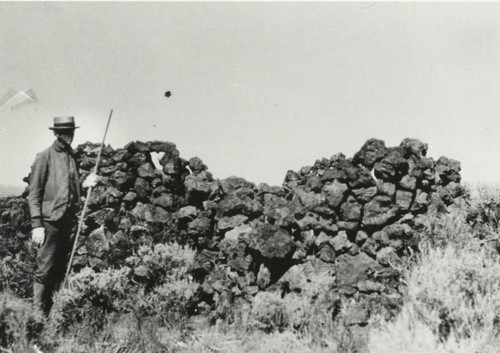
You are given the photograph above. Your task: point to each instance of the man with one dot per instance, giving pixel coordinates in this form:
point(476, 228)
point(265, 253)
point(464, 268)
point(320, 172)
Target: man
point(54, 200)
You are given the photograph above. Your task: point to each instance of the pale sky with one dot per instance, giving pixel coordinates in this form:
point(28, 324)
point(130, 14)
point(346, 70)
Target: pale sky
point(257, 88)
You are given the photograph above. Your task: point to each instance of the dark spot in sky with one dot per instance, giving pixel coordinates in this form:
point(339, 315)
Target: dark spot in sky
point(168, 94)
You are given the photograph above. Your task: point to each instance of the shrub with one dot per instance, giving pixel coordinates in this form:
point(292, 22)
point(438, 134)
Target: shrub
point(307, 310)
point(16, 274)
point(157, 285)
point(20, 322)
point(269, 312)
point(170, 302)
point(483, 213)
point(451, 304)
point(441, 229)
point(162, 272)
point(90, 297)
point(155, 266)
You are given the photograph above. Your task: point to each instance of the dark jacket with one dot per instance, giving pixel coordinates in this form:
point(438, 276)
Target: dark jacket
point(54, 184)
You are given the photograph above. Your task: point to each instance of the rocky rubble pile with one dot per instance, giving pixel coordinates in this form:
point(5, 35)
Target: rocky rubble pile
point(354, 218)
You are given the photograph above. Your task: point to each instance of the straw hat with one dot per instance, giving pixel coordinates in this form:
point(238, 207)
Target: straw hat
point(64, 123)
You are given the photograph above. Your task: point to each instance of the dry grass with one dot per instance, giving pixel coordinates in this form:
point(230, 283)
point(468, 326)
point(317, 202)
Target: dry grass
point(452, 305)
point(452, 302)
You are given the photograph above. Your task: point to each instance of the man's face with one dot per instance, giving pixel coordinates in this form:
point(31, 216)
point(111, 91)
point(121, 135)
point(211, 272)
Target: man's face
point(65, 136)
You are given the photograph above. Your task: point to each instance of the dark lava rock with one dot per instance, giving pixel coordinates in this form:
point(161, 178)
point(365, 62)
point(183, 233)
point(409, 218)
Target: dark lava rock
point(379, 211)
point(271, 241)
point(196, 165)
point(372, 151)
point(335, 193)
point(448, 170)
point(354, 269)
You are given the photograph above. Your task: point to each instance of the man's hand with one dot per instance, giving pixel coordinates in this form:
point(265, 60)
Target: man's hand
point(39, 235)
point(90, 181)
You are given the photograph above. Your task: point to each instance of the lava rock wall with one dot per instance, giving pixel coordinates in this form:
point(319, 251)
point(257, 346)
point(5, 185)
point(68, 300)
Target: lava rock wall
point(356, 218)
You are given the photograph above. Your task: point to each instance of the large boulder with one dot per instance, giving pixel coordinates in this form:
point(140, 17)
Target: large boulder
point(448, 170)
point(150, 213)
point(371, 152)
point(354, 269)
point(393, 166)
point(379, 211)
point(198, 187)
point(233, 205)
point(335, 192)
point(271, 241)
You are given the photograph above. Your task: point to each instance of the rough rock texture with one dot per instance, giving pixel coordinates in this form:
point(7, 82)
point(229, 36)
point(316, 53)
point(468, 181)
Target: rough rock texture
point(357, 217)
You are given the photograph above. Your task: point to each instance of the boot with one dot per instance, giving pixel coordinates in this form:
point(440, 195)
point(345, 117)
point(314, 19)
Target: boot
point(51, 292)
point(40, 296)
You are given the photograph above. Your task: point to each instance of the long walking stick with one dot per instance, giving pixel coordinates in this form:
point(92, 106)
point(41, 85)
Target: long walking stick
point(82, 216)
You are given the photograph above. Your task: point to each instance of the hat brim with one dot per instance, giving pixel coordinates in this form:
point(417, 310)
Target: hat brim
point(64, 128)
